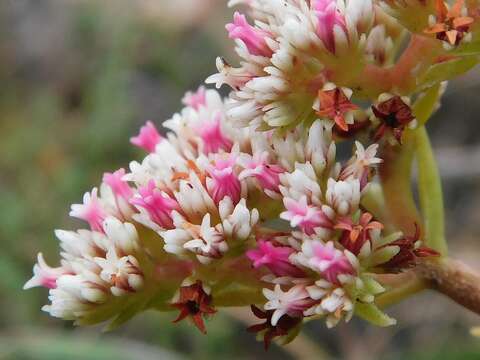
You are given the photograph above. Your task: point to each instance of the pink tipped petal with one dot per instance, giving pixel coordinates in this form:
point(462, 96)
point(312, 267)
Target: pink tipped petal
point(44, 275)
point(253, 38)
point(328, 16)
point(304, 216)
point(195, 99)
point(275, 258)
point(119, 186)
point(158, 204)
point(90, 211)
point(148, 138)
point(223, 181)
point(329, 261)
point(212, 136)
point(268, 175)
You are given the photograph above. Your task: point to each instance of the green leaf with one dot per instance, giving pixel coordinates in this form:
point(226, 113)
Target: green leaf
point(426, 103)
point(383, 255)
point(371, 313)
point(372, 286)
point(447, 70)
point(468, 49)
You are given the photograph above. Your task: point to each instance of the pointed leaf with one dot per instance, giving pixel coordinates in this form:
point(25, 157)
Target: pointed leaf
point(447, 70)
point(373, 314)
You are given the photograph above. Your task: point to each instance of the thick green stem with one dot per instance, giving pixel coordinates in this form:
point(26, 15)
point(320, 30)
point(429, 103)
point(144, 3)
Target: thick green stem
point(395, 175)
point(402, 286)
point(430, 193)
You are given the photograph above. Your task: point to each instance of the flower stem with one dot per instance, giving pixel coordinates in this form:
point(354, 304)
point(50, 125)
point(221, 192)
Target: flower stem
point(402, 286)
point(395, 175)
point(452, 278)
point(430, 193)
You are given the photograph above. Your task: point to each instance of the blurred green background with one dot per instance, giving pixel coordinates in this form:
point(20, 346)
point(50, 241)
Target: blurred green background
point(77, 80)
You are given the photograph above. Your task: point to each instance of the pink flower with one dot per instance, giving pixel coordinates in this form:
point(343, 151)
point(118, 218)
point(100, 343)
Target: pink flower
point(157, 203)
point(119, 186)
point(306, 217)
point(195, 99)
point(275, 258)
point(329, 261)
point(253, 38)
point(90, 211)
point(44, 275)
point(268, 175)
point(212, 135)
point(223, 181)
point(328, 16)
point(148, 138)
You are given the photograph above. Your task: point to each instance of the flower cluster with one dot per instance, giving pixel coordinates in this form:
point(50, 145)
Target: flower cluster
point(246, 195)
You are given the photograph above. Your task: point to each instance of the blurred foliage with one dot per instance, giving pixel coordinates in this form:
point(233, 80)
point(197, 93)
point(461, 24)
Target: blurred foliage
point(78, 78)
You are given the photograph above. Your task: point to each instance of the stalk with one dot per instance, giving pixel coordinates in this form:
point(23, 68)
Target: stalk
point(430, 193)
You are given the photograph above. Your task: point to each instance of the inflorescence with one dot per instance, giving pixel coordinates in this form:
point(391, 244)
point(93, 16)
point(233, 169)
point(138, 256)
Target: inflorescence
point(244, 201)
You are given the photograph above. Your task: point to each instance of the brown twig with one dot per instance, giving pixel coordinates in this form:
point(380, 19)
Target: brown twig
point(452, 278)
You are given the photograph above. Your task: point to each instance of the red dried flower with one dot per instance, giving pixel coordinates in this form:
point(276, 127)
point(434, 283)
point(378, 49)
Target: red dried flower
point(408, 253)
point(283, 327)
point(451, 26)
point(194, 302)
point(395, 115)
point(334, 105)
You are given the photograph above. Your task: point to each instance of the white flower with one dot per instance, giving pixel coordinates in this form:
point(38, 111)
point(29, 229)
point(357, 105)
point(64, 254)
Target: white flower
point(122, 273)
point(237, 223)
point(292, 302)
point(228, 75)
point(343, 196)
point(207, 242)
point(331, 301)
point(301, 183)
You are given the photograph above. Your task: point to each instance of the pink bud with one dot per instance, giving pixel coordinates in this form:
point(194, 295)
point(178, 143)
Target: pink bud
point(195, 99)
point(329, 261)
point(275, 258)
point(148, 138)
point(158, 204)
point(90, 211)
point(253, 38)
point(119, 186)
point(213, 138)
point(306, 217)
point(328, 16)
point(223, 181)
point(268, 175)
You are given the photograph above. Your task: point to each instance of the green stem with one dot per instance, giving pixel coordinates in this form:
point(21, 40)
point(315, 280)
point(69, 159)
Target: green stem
point(396, 175)
point(403, 286)
point(430, 193)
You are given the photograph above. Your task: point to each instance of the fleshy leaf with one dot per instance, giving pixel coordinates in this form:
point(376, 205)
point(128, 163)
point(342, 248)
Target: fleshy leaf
point(447, 70)
point(468, 49)
point(372, 286)
point(371, 313)
point(383, 255)
point(426, 104)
